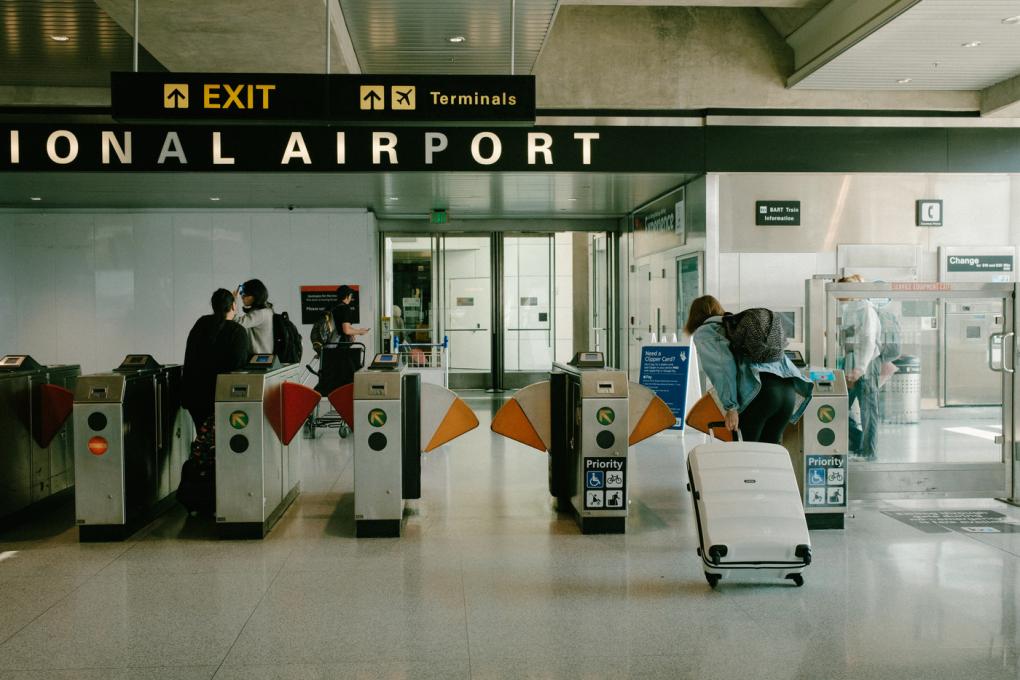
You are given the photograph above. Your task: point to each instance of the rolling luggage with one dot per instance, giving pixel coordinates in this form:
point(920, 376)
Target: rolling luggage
point(748, 509)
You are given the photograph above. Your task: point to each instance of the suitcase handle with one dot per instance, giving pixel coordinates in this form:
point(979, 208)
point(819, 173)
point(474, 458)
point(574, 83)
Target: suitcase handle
point(721, 424)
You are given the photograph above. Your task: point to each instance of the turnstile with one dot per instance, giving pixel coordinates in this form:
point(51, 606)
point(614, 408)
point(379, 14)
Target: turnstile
point(35, 432)
point(395, 418)
point(819, 449)
point(587, 417)
point(258, 409)
point(131, 438)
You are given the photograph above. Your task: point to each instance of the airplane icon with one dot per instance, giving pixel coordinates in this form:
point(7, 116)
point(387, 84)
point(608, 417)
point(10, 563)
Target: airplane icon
point(402, 97)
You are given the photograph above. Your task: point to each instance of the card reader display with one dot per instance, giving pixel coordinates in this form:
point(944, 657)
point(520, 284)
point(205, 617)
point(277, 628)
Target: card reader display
point(589, 360)
point(385, 362)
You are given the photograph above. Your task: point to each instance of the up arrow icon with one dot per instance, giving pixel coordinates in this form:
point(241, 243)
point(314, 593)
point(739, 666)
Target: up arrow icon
point(175, 96)
point(371, 98)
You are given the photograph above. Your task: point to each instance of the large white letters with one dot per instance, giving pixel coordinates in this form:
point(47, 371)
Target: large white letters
point(476, 153)
point(15, 148)
point(217, 151)
point(535, 148)
point(341, 148)
point(51, 147)
point(172, 149)
point(296, 149)
point(384, 142)
point(110, 141)
point(586, 139)
point(434, 143)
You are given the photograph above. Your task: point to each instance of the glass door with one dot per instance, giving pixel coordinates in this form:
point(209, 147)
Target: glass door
point(930, 371)
point(600, 291)
point(465, 273)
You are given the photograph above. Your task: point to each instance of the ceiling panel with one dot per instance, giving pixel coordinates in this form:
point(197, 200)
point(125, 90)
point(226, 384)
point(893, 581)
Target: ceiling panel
point(926, 45)
point(95, 45)
point(402, 36)
point(393, 195)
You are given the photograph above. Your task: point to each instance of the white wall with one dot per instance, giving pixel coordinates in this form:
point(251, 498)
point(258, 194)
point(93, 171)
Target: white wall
point(89, 288)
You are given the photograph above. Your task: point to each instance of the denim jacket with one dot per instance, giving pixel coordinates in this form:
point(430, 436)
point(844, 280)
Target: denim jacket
point(737, 383)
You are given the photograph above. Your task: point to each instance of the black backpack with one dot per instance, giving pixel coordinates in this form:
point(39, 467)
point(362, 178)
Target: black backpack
point(286, 339)
point(756, 334)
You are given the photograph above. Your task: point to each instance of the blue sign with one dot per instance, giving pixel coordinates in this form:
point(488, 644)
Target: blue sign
point(815, 376)
point(595, 479)
point(664, 371)
point(816, 476)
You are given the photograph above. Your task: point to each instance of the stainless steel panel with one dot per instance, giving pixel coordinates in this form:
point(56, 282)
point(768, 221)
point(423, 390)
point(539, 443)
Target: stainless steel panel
point(377, 385)
point(874, 482)
point(968, 379)
point(100, 494)
point(238, 387)
point(40, 456)
point(378, 485)
point(100, 388)
point(590, 429)
point(604, 385)
point(15, 443)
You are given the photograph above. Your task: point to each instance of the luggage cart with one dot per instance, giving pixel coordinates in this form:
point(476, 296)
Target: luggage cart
point(316, 368)
point(427, 359)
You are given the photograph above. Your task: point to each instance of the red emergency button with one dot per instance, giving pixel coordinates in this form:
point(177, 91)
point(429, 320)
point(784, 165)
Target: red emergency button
point(98, 446)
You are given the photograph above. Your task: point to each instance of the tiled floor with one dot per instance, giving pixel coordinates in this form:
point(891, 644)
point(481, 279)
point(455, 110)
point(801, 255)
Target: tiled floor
point(489, 582)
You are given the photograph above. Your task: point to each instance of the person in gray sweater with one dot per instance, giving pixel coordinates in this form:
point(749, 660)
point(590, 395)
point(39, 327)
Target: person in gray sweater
point(256, 315)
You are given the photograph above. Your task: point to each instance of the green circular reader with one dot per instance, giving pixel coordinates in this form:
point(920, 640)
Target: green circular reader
point(238, 420)
point(377, 417)
point(826, 413)
point(605, 416)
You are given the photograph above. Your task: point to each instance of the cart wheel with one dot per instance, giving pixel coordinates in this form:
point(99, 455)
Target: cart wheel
point(713, 579)
point(344, 430)
point(797, 579)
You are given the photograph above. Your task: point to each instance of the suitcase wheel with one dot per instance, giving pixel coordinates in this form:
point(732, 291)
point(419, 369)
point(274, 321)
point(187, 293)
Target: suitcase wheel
point(797, 579)
point(688, 486)
point(699, 552)
point(713, 579)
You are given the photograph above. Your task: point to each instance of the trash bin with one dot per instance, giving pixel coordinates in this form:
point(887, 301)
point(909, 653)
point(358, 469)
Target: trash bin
point(901, 396)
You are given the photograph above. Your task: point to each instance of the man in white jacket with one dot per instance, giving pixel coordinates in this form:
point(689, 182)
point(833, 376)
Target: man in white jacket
point(860, 331)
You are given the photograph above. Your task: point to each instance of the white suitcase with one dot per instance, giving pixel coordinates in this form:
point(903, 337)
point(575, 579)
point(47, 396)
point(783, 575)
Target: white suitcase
point(748, 509)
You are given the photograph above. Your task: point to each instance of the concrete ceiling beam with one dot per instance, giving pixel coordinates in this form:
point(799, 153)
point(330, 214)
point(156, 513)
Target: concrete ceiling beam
point(702, 3)
point(836, 28)
point(1002, 100)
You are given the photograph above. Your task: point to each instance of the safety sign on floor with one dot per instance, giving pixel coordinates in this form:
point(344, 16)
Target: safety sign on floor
point(825, 480)
point(604, 483)
point(961, 521)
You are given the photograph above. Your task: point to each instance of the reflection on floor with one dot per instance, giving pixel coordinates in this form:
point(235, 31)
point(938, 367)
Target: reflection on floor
point(489, 581)
point(948, 435)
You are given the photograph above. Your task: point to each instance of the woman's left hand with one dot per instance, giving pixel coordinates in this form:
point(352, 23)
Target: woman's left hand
point(732, 420)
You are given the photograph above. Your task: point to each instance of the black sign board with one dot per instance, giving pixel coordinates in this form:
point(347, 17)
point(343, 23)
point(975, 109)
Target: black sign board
point(315, 300)
point(979, 263)
point(782, 213)
point(31, 147)
point(310, 98)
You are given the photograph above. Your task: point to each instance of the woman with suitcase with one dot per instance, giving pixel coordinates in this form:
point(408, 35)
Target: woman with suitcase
point(759, 397)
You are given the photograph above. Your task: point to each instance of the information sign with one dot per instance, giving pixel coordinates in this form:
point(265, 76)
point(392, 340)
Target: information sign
point(664, 370)
point(772, 213)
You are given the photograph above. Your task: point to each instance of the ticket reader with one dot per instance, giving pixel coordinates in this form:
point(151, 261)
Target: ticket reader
point(36, 433)
point(131, 439)
point(819, 447)
point(587, 417)
point(258, 411)
point(387, 451)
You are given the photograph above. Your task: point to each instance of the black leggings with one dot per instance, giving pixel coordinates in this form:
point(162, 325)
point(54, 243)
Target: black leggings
point(766, 417)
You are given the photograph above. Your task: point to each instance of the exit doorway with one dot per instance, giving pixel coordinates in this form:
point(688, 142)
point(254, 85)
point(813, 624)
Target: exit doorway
point(506, 305)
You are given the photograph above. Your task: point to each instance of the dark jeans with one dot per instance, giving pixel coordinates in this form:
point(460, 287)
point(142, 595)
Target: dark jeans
point(866, 390)
point(766, 417)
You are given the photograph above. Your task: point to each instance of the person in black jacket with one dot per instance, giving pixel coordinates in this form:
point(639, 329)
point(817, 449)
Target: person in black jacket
point(338, 362)
point(216, 344)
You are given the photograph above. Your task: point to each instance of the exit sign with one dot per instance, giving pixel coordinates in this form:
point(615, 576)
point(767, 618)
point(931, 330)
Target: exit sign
point(439, 217)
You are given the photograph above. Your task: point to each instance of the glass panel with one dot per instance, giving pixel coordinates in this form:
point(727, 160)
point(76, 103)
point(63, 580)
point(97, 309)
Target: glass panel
point(528, 311)
point(599, 292)
point(922, 387)
point(563, 314)
point(467, 301)
point(409, 299)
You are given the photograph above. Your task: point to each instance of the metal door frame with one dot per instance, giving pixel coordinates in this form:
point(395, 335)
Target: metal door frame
point(940, 480)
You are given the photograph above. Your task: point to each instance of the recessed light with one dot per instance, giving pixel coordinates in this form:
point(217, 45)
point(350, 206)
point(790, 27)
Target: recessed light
point(1012, 20)
point(903, 81)
point(393, 198)
point(972, 43)
point(60, 38)
point(571, 199)
point(457, 39)
point(214, 198)
point(35, 198)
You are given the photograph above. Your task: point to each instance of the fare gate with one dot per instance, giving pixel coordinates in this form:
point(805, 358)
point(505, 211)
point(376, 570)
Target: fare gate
point(395, 417)
point(258, 412)
point(131, 438)
point(36, 432)
point(587, 417)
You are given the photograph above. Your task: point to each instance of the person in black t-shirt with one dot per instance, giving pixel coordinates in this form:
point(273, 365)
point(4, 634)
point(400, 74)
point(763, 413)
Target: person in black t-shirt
point(338, 367)
point(216, 344)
